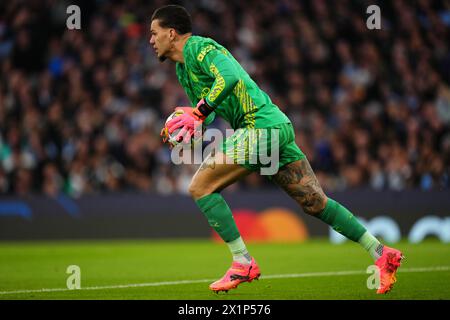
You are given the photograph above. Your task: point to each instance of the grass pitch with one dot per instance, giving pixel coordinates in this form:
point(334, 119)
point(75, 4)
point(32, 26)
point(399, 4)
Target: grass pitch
point(183, 269)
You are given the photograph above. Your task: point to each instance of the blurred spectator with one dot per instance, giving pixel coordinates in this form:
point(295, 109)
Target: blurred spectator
point(80, 110)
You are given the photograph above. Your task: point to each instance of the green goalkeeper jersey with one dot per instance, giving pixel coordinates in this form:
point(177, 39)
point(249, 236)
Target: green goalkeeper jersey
point(210, 71)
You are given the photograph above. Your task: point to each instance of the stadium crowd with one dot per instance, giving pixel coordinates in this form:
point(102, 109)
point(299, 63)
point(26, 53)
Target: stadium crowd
point(81, 110)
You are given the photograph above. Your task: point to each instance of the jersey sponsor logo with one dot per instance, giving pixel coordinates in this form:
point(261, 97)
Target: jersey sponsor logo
point(204, 51)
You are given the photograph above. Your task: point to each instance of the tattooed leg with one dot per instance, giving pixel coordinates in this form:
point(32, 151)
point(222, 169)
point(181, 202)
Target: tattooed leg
point(299, 181)
point(215, 174)
point(209, 162)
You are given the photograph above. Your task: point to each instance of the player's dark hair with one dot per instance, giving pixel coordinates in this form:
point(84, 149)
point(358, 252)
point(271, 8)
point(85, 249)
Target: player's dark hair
point(174, 16)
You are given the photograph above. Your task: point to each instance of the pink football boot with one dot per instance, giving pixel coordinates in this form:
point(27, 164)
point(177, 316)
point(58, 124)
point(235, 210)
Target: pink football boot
point(388, 264)
point(237, 274)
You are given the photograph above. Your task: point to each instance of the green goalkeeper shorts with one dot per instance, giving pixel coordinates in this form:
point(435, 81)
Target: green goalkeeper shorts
point(266, 149)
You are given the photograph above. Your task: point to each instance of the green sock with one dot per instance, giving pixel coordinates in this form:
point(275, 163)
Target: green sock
point(219, 216)
point(342, 220)
point(372, 245)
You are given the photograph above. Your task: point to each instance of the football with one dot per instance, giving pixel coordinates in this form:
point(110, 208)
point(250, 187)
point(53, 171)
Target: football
point(171, 136)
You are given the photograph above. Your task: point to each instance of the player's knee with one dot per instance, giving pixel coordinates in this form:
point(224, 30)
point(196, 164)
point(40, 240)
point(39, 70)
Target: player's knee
point(199, 190)
point(194, 190)
point(314, 203)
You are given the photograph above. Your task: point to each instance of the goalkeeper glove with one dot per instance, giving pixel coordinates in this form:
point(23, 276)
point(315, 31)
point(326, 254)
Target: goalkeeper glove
point(190, 121)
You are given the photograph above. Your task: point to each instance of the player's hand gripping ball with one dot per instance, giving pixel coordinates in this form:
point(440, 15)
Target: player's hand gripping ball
point(175, 138)
point(167, 137)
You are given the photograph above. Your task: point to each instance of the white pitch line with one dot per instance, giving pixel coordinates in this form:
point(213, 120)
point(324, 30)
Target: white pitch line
point(274, 276)
point(347, 273)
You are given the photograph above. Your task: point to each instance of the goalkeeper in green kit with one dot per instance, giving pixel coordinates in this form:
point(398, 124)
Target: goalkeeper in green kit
point(217, 85)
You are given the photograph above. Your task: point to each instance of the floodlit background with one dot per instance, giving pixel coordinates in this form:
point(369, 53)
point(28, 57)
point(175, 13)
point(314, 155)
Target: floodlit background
point(81, 112)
